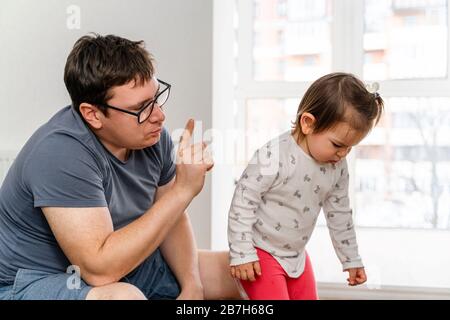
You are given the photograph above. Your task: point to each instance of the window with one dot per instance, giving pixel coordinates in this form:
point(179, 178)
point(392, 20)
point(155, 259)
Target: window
point(400, 187)
point(402, 34)
point(291, 38)
point(408, 158)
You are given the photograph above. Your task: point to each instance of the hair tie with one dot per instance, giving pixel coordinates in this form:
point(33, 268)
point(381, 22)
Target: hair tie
point(373, 89)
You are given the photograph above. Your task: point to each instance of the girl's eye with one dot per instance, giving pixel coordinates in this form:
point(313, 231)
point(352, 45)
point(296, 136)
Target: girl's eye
point(334, 144)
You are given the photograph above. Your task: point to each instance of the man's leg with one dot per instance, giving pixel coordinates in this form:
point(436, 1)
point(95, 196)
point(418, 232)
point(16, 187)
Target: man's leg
point(116, 291)
point(215, 275)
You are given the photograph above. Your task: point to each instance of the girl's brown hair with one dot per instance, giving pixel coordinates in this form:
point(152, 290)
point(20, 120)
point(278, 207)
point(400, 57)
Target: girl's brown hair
point(340, 97)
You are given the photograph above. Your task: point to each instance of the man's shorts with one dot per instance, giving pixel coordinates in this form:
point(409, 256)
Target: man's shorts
point(153, 277)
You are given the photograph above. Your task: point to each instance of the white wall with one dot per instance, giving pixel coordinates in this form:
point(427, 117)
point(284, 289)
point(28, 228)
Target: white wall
point(35, 42)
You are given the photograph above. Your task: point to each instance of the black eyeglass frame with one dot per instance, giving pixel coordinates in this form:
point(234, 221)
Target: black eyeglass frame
point(148, 104)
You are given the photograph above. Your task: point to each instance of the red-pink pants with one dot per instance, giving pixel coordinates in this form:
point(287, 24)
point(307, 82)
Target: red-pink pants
point(275, 284)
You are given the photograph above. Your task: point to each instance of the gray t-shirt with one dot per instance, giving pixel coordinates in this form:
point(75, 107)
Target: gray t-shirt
point(64, 165)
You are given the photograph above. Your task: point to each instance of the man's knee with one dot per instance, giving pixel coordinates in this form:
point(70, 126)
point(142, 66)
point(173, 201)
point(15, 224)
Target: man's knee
point(116, 291)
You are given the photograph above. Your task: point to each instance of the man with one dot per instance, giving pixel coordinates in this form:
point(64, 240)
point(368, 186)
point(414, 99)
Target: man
point(95, 190)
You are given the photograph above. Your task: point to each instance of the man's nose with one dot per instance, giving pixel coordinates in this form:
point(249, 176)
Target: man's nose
point(157, 114)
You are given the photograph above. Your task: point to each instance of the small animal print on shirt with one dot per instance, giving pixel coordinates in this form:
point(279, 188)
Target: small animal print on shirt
point(263, 200)
point(236, 216)
point(292, 159)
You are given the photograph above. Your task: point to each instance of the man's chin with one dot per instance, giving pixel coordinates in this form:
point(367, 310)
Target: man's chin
point(152, 139)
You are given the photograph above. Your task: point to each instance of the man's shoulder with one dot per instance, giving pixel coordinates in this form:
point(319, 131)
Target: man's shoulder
point(63, 136)
point(65, 129)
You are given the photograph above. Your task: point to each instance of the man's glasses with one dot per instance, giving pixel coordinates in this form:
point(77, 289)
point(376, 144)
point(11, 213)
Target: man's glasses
point(147, 109)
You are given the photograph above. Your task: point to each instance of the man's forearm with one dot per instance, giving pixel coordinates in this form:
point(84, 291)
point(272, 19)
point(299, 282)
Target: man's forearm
point(180, 251)
point(126, 248)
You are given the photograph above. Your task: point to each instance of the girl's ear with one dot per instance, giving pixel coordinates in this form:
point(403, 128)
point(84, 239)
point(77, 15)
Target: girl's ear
point(307, 122)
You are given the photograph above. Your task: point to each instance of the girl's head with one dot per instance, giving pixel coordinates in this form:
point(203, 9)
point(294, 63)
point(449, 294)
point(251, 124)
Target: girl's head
point(335, 114)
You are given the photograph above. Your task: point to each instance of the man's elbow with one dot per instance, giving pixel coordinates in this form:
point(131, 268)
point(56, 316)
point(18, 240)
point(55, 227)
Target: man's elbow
point(98, 280)
point(98, 275)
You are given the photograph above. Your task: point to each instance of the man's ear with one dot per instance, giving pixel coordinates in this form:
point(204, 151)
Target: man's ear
point(307, 122)
point(92, 115)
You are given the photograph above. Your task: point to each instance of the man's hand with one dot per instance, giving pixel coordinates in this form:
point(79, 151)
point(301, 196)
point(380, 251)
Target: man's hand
point(193, 161)
point(356, 276)
point(246, 271)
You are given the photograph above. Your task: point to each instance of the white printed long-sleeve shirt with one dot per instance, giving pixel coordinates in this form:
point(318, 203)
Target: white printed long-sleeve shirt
point(276, 204)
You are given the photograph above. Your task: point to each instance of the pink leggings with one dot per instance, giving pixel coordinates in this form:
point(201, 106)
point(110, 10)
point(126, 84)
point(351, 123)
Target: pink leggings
point(275, 284)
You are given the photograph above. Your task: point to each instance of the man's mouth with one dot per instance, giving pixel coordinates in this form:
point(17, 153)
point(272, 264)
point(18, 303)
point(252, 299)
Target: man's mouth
point(156, 131)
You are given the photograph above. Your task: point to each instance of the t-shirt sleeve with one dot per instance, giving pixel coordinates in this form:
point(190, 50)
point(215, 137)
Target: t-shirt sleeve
point(168, 158)
point(62, 172)
point(339, 219)
point(256, 180)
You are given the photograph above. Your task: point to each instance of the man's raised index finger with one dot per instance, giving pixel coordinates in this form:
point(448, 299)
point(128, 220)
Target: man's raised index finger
point(187, 133)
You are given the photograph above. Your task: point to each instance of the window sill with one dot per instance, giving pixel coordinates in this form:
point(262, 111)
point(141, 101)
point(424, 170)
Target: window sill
point(338, 291)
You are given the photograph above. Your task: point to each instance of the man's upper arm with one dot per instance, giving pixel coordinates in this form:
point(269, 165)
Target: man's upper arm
point(81, 232)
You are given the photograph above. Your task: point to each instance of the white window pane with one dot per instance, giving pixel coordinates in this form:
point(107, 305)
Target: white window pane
point(405, 39)
point(403, 167)
point(266, 119)
point(291, 39)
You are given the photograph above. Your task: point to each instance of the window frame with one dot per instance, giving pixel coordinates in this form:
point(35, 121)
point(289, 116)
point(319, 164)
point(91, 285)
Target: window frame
point(234, 89)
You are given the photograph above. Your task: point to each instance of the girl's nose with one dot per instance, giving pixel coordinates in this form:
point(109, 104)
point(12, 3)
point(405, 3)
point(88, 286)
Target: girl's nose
point(342, 153)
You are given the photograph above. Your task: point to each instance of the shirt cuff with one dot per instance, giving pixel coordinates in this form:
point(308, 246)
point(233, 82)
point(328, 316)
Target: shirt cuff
point(353, 264)
point(234, 261)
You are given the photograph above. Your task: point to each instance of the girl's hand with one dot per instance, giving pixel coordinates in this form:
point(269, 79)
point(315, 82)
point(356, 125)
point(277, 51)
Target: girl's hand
point(246, 271)
point(356, 276)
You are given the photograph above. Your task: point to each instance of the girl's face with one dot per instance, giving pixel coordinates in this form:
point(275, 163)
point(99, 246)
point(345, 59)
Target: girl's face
point(332, 145)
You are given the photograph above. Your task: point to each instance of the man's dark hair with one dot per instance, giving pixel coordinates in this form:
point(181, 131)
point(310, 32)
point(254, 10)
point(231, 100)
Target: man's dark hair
point(98, 63)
